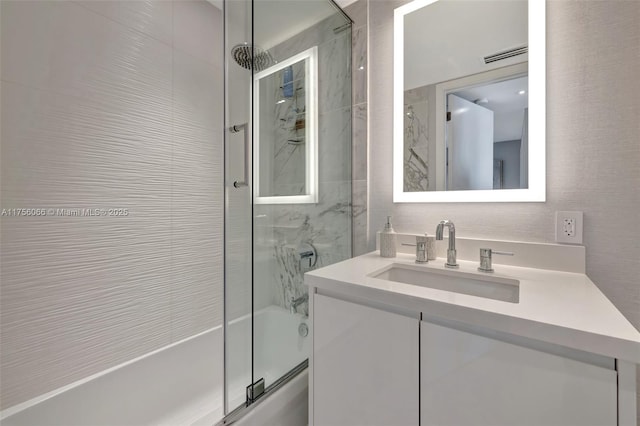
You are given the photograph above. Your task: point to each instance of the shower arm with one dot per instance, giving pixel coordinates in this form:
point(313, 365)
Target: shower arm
point(243, 128)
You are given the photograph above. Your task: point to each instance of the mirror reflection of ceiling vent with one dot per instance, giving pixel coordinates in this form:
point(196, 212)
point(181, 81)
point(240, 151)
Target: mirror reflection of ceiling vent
point(506, 54)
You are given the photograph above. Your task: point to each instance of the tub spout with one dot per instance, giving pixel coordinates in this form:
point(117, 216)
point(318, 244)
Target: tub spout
point(295, 302)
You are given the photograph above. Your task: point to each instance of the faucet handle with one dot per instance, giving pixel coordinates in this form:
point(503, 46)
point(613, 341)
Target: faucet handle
point(488, 252)
point(421, 248)
point(485, 258)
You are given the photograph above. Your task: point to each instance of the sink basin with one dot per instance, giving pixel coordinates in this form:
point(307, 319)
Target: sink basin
point(490, 287)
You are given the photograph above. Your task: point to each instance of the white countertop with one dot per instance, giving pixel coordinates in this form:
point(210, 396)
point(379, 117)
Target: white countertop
point(562, 308)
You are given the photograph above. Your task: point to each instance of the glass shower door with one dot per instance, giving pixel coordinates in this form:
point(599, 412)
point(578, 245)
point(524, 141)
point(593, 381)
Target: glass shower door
point(301, 170)
point(288, 180)
point(238, 212)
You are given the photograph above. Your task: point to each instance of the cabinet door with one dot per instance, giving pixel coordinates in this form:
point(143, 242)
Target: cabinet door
point(472, 380)
point(365, 365)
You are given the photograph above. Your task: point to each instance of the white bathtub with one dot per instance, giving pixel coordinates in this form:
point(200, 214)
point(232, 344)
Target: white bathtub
point(181, 384)
point(277, 349)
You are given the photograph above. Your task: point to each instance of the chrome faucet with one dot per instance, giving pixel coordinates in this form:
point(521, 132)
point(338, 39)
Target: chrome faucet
point(295, 302)
point(451, 252)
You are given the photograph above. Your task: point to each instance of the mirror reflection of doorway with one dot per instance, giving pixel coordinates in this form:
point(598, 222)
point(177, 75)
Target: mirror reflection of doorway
point(469, 145)
point(486, 125)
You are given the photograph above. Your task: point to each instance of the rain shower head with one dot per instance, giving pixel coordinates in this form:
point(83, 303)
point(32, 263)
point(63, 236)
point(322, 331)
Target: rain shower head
point(242, 54)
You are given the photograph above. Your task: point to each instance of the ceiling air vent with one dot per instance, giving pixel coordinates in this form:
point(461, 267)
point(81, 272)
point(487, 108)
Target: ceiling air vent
point(506, 54)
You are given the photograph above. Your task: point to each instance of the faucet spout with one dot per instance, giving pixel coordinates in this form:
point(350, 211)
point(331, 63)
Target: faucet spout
point(451, 252)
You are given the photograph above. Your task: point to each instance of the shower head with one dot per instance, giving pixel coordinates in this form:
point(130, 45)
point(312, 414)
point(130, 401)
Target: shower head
point(242, 54)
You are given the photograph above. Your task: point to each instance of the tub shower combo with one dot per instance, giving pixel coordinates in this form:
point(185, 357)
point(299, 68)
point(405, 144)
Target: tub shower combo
point(282, 98)
point(288, 181)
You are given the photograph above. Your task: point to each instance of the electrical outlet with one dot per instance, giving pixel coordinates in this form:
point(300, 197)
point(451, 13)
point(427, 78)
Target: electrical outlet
point(569, 227)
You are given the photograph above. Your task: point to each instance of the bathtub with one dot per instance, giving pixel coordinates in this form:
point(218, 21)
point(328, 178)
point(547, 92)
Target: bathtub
point(278, 347)
point(181, 384)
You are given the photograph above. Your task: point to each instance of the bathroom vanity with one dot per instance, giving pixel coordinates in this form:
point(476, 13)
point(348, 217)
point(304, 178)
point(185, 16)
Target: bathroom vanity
point(533, 343)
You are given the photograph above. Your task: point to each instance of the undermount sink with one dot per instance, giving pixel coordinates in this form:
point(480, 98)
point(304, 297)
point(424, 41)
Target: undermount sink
point(490, 287)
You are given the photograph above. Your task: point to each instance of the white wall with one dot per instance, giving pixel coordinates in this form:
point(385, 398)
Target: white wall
point(105, 105)
point(592, 144)
point(481, 28)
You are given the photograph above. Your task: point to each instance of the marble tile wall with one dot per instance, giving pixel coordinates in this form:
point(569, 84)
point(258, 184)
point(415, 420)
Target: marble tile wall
point(416, 143)
point(282, 230)
point(359, 12)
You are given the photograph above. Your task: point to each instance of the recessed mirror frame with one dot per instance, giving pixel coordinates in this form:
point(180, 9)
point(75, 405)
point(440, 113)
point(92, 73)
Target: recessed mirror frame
point(537, 119)
point(310, 56)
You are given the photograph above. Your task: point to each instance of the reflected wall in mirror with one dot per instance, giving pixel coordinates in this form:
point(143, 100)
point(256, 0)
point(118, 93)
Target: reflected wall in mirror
point(285, 131)
point(468, 80)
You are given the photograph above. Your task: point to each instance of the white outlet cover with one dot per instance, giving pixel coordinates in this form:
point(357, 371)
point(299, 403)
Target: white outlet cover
point(566, 222)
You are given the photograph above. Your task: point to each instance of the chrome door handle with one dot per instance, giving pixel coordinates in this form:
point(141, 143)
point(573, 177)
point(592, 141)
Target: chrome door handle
point(243, 128)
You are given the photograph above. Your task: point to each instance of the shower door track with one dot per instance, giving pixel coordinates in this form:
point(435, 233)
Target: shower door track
point(244, 409)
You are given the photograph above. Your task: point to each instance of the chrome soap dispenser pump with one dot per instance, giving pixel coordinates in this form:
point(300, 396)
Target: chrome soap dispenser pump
point(388, 240)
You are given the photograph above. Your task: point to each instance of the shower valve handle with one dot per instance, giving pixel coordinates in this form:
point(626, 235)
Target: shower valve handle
point(307, 255)
point(307, 251)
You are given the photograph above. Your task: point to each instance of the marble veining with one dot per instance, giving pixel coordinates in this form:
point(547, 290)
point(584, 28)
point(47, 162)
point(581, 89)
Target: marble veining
point(282, 229)
point(359, 55)
point(416, 143)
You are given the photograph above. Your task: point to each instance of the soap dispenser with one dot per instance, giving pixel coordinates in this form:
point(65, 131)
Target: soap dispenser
point(388, 240)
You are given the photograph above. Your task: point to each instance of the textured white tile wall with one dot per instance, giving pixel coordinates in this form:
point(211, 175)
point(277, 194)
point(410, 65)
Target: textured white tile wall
point(593, 148)
point(107, 104)
point(238, 233)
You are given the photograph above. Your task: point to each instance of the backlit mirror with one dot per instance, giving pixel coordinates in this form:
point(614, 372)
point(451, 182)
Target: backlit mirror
point(286, 131)
point(469, 101)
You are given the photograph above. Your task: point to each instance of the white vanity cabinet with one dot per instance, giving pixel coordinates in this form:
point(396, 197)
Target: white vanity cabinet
point(398, 343)
point(364, 365)
point(372, 366)
point(467, 379)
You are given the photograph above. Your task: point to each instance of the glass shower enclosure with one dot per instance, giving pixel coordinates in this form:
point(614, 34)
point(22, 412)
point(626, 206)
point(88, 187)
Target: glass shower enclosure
point(287, 180)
